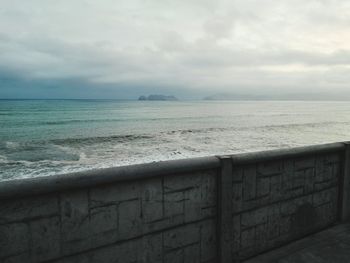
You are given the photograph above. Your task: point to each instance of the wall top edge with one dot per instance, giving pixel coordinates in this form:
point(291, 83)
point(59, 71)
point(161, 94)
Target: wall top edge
point(90, 178)
point(62, 182)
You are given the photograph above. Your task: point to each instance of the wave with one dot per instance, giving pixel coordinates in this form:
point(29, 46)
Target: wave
point(35, 152)
point(101, 139)
point(308, 124)
point(160, 136)
point(90, 121)
point(10, 114)
point(157, 135)
point(78, 121)
point(77, 149)
point(63, 122)
point(3, 159)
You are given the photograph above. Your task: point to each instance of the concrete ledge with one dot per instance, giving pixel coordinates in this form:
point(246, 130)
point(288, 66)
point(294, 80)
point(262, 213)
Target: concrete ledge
point(40, 185)
point(255, 157)
point(47, 184)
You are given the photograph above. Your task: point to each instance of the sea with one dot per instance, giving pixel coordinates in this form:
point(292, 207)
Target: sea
point(47, 137)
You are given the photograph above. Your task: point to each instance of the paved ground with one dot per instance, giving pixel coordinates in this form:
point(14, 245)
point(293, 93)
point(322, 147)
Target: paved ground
point(331, 245)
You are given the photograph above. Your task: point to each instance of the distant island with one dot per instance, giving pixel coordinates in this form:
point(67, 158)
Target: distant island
point(158, 97)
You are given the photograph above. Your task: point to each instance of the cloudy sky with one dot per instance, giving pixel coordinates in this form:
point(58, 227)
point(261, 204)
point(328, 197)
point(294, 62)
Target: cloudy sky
point(192, 48)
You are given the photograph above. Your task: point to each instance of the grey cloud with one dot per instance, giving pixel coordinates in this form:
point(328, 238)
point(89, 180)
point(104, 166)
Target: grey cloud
point(249, 46)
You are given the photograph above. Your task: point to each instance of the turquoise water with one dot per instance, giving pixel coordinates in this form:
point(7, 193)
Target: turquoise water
point(45, 137)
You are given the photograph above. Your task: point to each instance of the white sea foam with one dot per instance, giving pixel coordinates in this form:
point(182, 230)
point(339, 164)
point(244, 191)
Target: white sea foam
point(12, 145)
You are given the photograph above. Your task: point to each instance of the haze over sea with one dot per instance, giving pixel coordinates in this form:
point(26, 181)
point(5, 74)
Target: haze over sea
point(46, 137)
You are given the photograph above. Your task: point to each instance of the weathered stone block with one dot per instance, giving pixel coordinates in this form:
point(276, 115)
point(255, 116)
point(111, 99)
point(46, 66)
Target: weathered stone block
point(80, 258)
point(290, 207)
point(318, 186)
point(152, 200)
point(14, 239)
point(255, 217)
point(261, 237)
point(250, 204)
point(174, 204)
point(288, 168)
point(293, 193)
point(236, 229)
point(181, 236)
point(328, 173)
point(45, 239)
point(28, 208)
point(17, 258)
point(193, 203)
point(246, 253)
point(152, 248)
point(324, 170)
point(273, 226)
point(270, 168)
point(298, 180)
point(103, 219)
point(274, 210)
point(304, 163)
point(208, 211)
point(323, 197)
point(276, 193)
point(325, 214)
point(309, 176)
point(208, 189)
point(286, 182)
point(83, 229)
point(127, 252)
point(263, 187)
point(115, 193)
point(208, 200)
point(183, 182)
point(208, 240)
point(332, 158)
point(237, 174)
point(130, 224)
point(248, 238)
point(192, 254)
point(176, 256)
point(75, 222)
point(249, 182)
point(336, 171)
point(285, 225)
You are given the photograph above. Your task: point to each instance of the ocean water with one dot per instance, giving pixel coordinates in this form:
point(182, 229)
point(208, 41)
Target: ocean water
point(46, 137)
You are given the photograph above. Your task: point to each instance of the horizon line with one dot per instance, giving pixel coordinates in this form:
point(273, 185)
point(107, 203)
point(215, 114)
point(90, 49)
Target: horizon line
point(199, 99)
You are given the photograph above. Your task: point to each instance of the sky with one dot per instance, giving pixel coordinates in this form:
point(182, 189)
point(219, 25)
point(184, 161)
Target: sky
point(125, 48)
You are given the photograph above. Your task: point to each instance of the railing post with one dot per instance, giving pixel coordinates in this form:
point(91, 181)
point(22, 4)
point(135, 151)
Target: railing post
point(345, 195)
point(225, 194)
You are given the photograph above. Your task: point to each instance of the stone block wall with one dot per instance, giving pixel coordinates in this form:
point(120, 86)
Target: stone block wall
point(270, 203)
point(215, 209)
point(162, 219)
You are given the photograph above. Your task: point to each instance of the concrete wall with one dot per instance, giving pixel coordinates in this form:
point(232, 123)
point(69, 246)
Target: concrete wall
point(269, 203)
point(211, 209)
point(160, 218)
